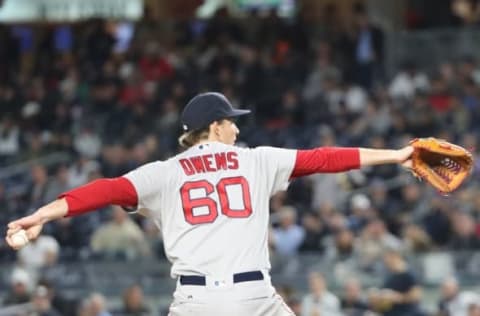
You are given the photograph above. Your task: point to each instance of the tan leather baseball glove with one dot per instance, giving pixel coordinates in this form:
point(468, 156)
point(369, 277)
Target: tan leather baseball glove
point(442, 164)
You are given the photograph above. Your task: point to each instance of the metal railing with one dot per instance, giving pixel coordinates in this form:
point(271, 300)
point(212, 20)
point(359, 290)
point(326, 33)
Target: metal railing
point(111, 278)
point(13, 176)
point(24, 166)
point(431, 268)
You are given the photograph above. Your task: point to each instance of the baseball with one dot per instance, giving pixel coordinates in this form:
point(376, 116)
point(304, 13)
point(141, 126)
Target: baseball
point(20, 239)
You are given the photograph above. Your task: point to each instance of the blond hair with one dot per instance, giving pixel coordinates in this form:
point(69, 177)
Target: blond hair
point(188, 139)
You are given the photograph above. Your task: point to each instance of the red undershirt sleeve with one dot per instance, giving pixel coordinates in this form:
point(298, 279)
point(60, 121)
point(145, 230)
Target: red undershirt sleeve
point(100, 193)
point(325, 160)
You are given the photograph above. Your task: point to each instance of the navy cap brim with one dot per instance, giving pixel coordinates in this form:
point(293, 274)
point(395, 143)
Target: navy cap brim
point(236, 112)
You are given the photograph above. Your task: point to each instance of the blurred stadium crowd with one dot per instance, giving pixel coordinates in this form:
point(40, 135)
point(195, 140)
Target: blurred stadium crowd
point(108, 95)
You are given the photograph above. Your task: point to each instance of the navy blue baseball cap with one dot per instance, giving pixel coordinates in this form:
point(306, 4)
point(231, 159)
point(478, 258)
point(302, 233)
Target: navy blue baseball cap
point(205, 108)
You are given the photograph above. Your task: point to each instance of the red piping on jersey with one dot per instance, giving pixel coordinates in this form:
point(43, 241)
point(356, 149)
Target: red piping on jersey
point(100, 193)
point(325, 160)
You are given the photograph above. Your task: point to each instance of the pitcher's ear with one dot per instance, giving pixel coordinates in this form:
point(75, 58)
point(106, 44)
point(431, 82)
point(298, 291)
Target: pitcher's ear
point(216, 126)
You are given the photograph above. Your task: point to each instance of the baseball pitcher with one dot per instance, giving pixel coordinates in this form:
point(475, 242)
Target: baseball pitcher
point(211, 203)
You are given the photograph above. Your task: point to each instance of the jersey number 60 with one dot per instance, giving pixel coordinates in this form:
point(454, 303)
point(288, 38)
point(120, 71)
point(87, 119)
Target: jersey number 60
point(190, 203)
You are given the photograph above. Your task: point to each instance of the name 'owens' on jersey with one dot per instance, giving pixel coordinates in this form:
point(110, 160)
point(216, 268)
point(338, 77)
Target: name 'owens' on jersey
point(211, 203)
point(209, 163)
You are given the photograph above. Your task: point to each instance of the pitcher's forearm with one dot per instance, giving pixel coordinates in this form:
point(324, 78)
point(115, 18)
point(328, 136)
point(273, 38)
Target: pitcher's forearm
point(371, 157)
point(52, 211)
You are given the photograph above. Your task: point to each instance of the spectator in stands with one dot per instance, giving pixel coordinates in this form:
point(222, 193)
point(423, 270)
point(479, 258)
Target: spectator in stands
point(121, 237)
point(353, 301)
point(343, 254)
point(466, 12)
point(425, 122)
point(21, 283)
point(38, 188)
point(453, 301)
point(315, 231)
point(87, 142)
point(415, 239)
point(406, 83)
point(153, 64)
point(8, 204)
point(58, 301)
point(83, 308)
point(114, 160)
point(36, 147)
point(374, 239)
point(323, 68)
point(379, 197)
point(133, 303)
point(437, 221)
point(154, 237)
point(60, 120)
point(99, 43)
point(413, 206)
point(361, 211)
point(291, 110)
point(341, 247)
point(10, 138)
point(474, 309)
point(287, 238)
point(39, 253)
point(80, 169)
point(97, 306)
point(440, 96)
point(464, 233)
point(169, 119)
point(319, 301)
point(401, 292)
point(335, 221)
point(411, 201)
point(73, 236)
point(8, 212)
point(328, 188)
point(41, 302)
point(364, 43)
point(58, 184)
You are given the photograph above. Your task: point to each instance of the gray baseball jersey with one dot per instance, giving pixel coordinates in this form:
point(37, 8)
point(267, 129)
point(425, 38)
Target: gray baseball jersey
point(211, 204)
